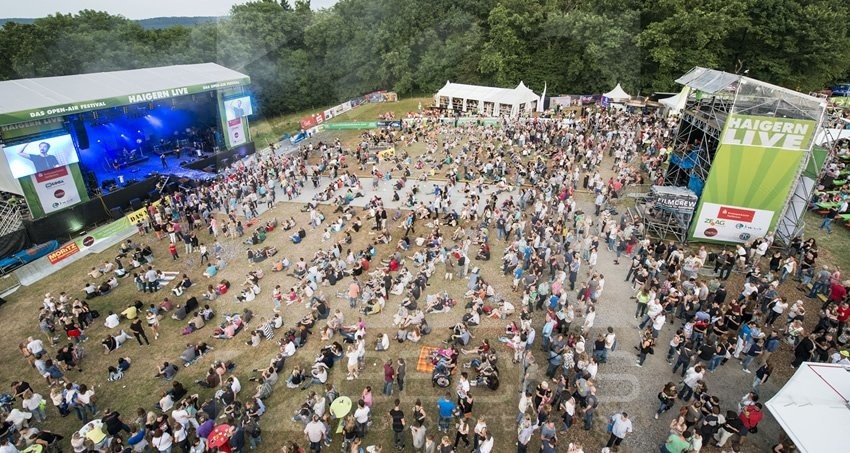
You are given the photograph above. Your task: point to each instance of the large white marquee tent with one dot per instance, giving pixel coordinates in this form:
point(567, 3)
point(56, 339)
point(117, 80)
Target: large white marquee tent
point(488, 101)
point(812, 407)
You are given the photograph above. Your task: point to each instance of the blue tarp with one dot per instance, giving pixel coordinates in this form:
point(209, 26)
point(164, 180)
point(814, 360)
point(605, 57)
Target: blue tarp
point(29, 255)
point(687, 162)
point(696, 184)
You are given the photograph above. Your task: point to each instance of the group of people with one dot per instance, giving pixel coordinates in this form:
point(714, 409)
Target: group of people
point(516, 185)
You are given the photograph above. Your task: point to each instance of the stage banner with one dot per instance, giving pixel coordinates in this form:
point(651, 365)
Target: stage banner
point(235, 132)
point(753, 171)
point(54, 189)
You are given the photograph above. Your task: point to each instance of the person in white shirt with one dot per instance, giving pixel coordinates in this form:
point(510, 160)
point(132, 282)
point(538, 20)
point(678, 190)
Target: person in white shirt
point(112, 320)
point(658, 323)
point(383, 342)
point(361, 416)
point(620, 427)
point(289, 349)
point(315, 432)
point(486, 445)
point(162, 441)
point(35, 346)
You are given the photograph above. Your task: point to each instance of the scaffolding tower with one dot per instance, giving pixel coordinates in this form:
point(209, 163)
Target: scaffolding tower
point(715, 95)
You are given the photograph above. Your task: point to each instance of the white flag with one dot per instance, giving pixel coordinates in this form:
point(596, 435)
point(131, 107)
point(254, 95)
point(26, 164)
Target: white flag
point(542, 98)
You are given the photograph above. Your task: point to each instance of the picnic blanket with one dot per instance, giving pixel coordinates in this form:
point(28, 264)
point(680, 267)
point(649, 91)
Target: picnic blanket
point(424, 363)
point(167, 277)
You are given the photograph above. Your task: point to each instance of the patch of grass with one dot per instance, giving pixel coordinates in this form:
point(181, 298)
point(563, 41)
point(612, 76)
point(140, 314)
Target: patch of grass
point(833, 248)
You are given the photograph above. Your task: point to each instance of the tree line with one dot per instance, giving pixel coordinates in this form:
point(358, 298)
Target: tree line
point(299, 58)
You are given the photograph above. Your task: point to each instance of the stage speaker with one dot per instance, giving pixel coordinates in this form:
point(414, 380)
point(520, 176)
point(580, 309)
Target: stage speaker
point(80, 132)
point(116, 212)
point(136, 204)
point(153, 195)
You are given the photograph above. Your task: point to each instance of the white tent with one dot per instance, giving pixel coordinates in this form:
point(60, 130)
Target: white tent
point(676, 103)
point(490, 101)
point(812, 407)
point(617, 94)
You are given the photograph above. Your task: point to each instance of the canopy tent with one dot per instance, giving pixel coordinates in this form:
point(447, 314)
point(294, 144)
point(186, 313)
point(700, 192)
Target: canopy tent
point(490, 101)
point(676, 103)
point(617, 94)
point(25, 99)
point(812, 407)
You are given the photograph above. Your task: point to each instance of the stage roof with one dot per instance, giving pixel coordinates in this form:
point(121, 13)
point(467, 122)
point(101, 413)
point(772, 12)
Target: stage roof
point(31, 99)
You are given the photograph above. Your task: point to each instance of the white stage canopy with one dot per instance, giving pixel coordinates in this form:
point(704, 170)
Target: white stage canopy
point(676, 103)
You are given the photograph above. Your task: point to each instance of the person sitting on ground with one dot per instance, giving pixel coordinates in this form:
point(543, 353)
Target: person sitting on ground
point(207, 313)
point(383, 342)
point(90, 291)
point(296, 377)
point(299, 236)
point(210, 293)
point(211, 271)
point(112, 320)
point(189, 355)
point(167, 371)
point(196, 323)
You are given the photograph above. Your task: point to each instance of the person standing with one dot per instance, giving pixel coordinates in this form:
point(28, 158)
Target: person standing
point(692, 377)
point(139, 331)
point(462, 433)
point(589, 407)
point(398, 424)
point(827, 220)
point(447, 409)
point(400, 373)
point(762, 375)
point(315, 432)
point(389, 377)
point(163, 161)
point(620, 426)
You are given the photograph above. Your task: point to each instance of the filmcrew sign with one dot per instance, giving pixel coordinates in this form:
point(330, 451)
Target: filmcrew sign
point(677, 203)
point(95, 104)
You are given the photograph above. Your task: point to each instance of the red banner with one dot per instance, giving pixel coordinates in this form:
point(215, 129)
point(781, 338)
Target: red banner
point(63, 252)
point(736, 214)
point(311, 121)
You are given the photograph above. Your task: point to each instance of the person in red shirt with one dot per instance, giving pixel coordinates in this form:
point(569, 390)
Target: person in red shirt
point(843, 312)
point(750, 416)
point(172, 249)
point(389, 377)
point(837, 292)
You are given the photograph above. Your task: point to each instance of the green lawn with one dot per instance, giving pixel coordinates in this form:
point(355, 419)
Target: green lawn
point(269, 130)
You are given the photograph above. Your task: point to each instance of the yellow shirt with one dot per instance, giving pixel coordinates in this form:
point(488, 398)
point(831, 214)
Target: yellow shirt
point(130, 312)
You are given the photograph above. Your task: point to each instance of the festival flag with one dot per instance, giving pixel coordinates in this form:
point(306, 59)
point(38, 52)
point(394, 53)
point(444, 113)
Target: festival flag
point(542, 99)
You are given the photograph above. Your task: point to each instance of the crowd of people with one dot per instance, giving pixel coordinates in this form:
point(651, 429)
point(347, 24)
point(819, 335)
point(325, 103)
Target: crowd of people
point(532, 170)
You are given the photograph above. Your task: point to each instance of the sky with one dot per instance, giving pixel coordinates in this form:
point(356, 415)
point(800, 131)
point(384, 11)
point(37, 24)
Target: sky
point(132, 9)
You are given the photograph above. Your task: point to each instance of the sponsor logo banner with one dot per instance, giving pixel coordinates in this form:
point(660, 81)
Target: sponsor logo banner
point(55, 189)
point(63, 252)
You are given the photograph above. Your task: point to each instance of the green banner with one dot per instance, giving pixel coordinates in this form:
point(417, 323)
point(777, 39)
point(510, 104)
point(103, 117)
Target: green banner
point(95, 104)
point(29, 128)
point(103, 232)
point(753, 170)
point(351, 125)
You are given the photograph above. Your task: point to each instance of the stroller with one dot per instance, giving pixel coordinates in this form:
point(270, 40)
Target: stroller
point(441, 376)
